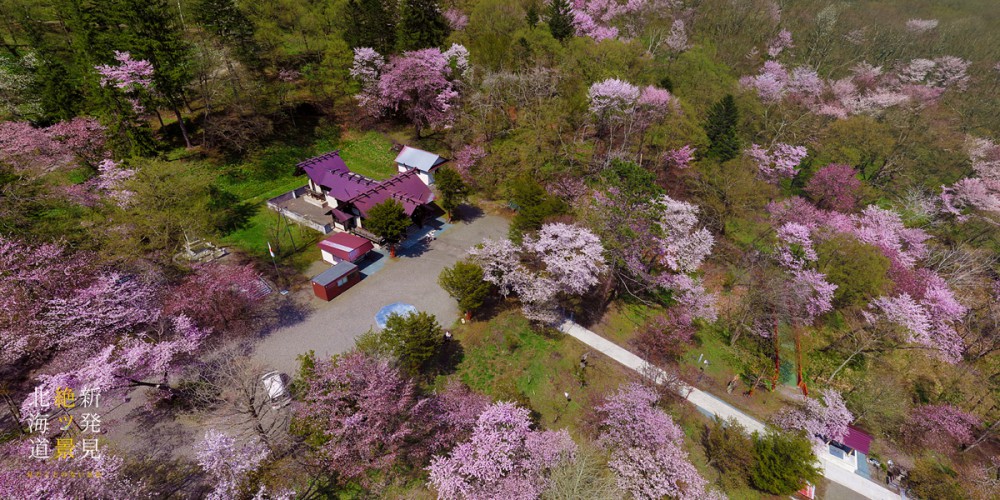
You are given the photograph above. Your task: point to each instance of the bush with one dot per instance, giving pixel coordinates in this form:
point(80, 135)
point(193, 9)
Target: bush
point(415, 340)
point(664, 339)
point(859, 270)
point(730, 450)
point(534, 206)
point(783, 462)
point(464, 282)
point(932, 478)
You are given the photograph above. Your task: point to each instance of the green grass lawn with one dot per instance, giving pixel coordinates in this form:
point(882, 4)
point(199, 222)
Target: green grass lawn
point(624, 319)
point(253, 239)
point(369, 153)
point(507, 359)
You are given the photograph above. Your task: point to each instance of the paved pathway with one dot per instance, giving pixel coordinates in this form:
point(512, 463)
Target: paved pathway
point(412, 278)
point(712, 405)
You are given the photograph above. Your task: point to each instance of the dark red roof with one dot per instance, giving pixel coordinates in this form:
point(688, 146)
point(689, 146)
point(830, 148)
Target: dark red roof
point(324, 162)
point(346, 246)
point(341, 216)
point(330, 172)
point(858, 440)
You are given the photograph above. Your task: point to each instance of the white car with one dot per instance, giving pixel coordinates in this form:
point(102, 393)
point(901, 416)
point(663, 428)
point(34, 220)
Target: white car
point(277, 391)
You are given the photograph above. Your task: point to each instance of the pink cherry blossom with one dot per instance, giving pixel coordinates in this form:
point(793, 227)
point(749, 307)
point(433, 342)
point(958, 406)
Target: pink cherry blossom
point(795, 249)
point(683, 247)
point(941, 426)
point(457, 20)
point(781, 161)
point(835, 187)
point(812, 292)
point(821, 422)
point(129, 74)
point(677, 41)
point(782, 41)
point(504, 458)
point(466, 159)
point(612, 97)
point(647, 454)
point(227, 462)
point(63, 145)
point(679, 158)
point(565, 259)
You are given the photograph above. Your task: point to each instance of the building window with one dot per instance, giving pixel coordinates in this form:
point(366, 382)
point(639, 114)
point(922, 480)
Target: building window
point(342, 281)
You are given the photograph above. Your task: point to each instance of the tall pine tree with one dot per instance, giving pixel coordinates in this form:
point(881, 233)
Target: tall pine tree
point(421, 25)
point(560, 19)
point(153, 32)
point(371, 23)
point(225, 20)
point(724, 144)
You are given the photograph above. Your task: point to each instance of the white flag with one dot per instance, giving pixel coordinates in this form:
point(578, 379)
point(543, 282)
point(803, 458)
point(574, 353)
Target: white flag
point(269, 249)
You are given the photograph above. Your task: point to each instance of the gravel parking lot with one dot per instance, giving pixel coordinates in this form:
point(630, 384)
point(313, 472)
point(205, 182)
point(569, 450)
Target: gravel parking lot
point(412, 278)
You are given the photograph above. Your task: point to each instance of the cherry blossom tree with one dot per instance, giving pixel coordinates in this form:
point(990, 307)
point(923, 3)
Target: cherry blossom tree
point(63, 145)
point(420, 84)
point(111, 179)
point(677, 40)
point(647, 453)
point(504, 458)
point(812, 294)
point(466, 159)
point(366, 68)
point(623, 110)
point(821, 422)
point(562, 259)
point(132, 77)
point(368, 417)
point(795, 250)
point(227, 462)
point(884, 229)
point(835, 187)
point(778, 162)
point(597, 19)
point(941, 426)
point(113, 305)
point(679, 158)
point(218, 296)
point(683, 245)
point(651, 240)
point(781, 41)
point(612, 100)
point(868, 90)
point(457, 20)
point(31, 276)
point(144, 359)
point(981, 192)
point(929, 322)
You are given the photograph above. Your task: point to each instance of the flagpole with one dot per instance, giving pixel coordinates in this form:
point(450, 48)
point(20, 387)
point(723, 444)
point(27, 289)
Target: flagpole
point(276, 271)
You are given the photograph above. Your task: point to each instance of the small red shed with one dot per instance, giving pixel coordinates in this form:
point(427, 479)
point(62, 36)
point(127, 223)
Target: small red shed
point(336, 280)
point(339, 247)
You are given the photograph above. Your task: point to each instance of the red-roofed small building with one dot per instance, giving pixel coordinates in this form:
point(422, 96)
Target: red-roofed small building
point(344, 247)
point(852, 451)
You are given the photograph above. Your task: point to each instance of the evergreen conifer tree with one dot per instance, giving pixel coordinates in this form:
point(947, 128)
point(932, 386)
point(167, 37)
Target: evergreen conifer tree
point(560, 19)
point(421, 25)
point(371, 23)
point(724, 144)
point(225, 20)
point(152, 32)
